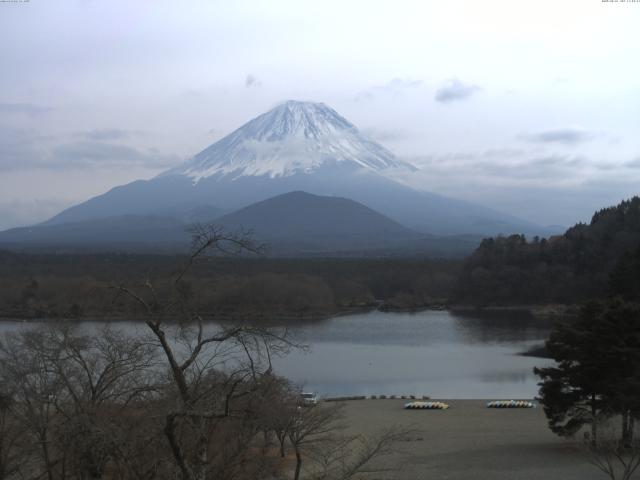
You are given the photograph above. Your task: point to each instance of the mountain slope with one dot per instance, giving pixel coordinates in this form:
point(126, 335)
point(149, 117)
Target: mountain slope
point(301, 221)
point(122, 232)
point(292, 224)
point(295, 222)
point(298, 146)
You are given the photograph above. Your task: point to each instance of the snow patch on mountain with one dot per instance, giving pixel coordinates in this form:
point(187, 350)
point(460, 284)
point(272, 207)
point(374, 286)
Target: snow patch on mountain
point(294, 137)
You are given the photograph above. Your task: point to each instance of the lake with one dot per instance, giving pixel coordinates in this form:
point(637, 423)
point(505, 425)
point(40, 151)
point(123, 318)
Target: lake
point(436, 353)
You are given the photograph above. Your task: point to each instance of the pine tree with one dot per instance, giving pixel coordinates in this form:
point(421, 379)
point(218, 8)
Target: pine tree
point(598, 369)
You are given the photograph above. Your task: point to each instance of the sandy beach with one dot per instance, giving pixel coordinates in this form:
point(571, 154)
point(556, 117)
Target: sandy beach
point(471, 441)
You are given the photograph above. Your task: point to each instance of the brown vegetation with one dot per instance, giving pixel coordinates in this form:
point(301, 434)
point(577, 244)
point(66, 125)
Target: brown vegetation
point(184, 399)
point(76, 286)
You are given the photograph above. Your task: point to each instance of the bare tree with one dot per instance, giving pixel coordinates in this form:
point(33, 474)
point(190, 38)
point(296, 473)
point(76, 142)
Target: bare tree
point(317, 434)
point(10, 438)
point(616, 458)
point(26, 373)
point(187, 399)
point(103, 376)
point(312, 426)
point(210, 368)
point(348, 456)
point(281, 411)
point(71, 391)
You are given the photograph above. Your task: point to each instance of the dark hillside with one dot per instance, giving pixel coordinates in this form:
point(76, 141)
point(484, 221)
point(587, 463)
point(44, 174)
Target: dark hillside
point(563, 269)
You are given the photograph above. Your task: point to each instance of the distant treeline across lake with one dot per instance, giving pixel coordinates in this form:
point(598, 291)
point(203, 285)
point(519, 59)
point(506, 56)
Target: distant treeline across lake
point(78, 286)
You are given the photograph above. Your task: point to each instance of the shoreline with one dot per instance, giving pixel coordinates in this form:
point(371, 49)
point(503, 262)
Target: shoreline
point(542, 312)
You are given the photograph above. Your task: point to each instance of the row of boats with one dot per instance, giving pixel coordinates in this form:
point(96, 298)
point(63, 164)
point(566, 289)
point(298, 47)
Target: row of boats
point(418, 405)
point(510, 404)
point(426, 406)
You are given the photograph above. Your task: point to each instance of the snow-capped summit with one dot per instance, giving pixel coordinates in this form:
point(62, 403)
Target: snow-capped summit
point(296, 146)
point(294, 137)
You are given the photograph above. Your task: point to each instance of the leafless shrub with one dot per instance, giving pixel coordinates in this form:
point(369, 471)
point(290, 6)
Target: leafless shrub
point(615, 458)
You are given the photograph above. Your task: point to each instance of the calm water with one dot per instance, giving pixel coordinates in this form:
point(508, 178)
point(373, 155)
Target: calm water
point(434, 353)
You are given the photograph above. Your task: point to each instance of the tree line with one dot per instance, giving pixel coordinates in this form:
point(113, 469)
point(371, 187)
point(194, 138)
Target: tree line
point(66, 286)
point(569, 268)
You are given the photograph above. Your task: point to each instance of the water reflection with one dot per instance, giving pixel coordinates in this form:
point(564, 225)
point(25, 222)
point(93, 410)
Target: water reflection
point(424, 328)
point(436, 353)
point(496, 327)
point(505, 377)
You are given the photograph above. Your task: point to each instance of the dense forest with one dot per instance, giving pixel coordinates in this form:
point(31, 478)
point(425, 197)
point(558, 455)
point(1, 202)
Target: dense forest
point(80, 286)
point(568, 268)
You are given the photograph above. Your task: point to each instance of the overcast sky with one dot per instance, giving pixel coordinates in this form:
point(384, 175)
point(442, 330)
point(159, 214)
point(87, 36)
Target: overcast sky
point(530, 107)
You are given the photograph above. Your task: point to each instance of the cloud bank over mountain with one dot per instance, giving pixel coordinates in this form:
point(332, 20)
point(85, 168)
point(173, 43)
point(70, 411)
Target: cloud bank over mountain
point(513, 89)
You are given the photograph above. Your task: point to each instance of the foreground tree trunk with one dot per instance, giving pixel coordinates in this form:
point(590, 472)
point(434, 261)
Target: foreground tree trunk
point(45, 454)
point(201, 454)
point(594, 421)
point(296, 475)
point(627, 428)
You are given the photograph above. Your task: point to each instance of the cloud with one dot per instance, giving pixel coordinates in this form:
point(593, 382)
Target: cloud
point(397, 84)
point(558, 161)
point(106, 134)
point(386, 135)
point(635, 163)
point(454, 90)
point(23, 149)
point(88, 154)
point(28, 109)
point(394, 87)
point(549, 188)
point(535, 169)
point(504, 166)
point(17, 213)
point(252, 81)
point(566, 136)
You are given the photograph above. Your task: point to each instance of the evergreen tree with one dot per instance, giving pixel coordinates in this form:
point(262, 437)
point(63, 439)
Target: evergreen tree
point(625, 278)
point(598, 369)
point(568, 268)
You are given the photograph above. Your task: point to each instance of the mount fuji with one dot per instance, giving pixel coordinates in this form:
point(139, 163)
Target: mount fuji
point(293, 138)
point(296, 146)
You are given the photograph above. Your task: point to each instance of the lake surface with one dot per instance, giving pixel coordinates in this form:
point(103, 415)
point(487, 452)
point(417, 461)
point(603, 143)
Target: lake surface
point(435, 353)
